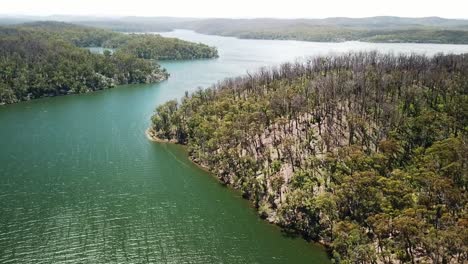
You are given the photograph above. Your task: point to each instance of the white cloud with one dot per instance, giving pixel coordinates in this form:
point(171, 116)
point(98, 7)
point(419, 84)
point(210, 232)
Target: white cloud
point(240, 8)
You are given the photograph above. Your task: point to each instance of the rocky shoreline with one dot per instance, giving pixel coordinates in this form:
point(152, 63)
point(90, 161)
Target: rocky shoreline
point(270, 217)
point(151, 135)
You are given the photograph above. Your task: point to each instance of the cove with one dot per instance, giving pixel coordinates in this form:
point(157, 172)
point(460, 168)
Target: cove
point(80, 182)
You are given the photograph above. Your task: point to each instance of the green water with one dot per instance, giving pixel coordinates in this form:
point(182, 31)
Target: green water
point(80, 183)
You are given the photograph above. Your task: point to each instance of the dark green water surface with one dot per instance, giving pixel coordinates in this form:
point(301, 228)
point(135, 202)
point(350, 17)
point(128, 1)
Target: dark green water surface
point(80, 183)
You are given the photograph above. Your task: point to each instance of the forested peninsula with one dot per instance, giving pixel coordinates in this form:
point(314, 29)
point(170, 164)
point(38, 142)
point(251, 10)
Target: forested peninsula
point(363, 152)
point(50, 58)
point(145, 46)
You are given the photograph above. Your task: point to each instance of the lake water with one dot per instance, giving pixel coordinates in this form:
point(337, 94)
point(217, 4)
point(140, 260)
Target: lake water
point(80, 183)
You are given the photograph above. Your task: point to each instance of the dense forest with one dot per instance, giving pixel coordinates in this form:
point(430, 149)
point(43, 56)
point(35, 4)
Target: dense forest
point(363, 152)
point(48, 59)
point(77, 35)
point(150, 46)
point(33, 67)
point(145, 46)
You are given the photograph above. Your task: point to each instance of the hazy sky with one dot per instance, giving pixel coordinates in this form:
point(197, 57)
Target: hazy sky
point(240, 8)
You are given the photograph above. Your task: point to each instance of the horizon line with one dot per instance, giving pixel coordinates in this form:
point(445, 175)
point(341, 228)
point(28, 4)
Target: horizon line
point(214, 17)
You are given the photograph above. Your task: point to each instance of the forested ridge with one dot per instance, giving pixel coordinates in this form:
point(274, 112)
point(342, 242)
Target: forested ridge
point(149, 46)
point(363, 152)
point(48, 58)
point(145, 46)
point(77, 35)
point(33, 67)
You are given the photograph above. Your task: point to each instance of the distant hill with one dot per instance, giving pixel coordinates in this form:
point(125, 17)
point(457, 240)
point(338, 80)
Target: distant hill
point(387, 29)
point(373, 29)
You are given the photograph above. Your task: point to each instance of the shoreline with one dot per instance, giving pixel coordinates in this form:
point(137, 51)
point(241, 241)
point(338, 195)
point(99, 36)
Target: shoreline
point(45, 96)
point(150, 134)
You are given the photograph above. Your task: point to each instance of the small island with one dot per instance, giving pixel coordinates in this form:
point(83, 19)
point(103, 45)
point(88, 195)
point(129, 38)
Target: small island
point(364, 152)
point(44, 59)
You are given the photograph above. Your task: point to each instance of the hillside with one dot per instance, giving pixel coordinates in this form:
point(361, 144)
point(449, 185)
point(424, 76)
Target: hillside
point(156, 47)
point(40, 59)
point(32, 67)
point(363, 152)
point(145, 46)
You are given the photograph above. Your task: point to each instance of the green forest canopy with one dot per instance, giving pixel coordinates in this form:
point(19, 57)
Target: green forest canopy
point(146, 46)
point(364, 152)
point(48, 58)
point(32, 67)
